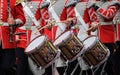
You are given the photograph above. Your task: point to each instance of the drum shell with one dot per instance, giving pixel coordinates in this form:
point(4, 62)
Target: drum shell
point(96, 53)
point(43, 54)
point(70, 47)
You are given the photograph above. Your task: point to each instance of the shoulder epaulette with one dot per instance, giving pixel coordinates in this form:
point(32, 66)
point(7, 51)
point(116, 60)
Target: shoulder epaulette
point(18, 2)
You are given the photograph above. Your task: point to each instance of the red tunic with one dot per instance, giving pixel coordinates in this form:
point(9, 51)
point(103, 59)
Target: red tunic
point(43, 16)
point(105, 32)
point(24, 39)
point(68, 12)
point(118, 32)
point(39, 15)
point(50, 33)
point(90, 16)
point(118, 29)
point(17, 13)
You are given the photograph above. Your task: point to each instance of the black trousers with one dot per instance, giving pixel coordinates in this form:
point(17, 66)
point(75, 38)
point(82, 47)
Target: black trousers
point(109, 68)
point(69, 69)
point(110, 62)
point(116, 59)
point(87, 72)
point(22, 64)
point(118, 47)
point(48, 70)
point(7, 61)
point(61, 70)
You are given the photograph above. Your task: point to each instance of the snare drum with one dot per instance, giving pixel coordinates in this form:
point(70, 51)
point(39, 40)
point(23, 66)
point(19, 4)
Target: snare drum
point(42, 51)
point(95, 52)
point(69, 45)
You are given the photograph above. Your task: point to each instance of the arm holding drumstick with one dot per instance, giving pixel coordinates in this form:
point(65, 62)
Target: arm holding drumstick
point(93, 27)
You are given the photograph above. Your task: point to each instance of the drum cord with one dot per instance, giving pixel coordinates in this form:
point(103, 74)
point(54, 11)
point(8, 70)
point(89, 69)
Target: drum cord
point(103, 68)
point(53, 68)
point(65, 73)
point(96, 69)
point(102, 71)
point(54, 65)
point(81, 72)
point(75, 68)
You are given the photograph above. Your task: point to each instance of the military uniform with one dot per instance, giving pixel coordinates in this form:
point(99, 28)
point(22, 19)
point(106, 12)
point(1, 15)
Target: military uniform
point(17, 15)
point(104, 16)
point(43, 15)
point(22, 40)
point(117, 41)
point(7, 54)
point(69, 12)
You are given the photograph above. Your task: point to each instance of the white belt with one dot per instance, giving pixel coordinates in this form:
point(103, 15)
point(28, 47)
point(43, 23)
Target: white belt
point(29, 13)
point(4, 24)
point(23, 28)
point(106, 23)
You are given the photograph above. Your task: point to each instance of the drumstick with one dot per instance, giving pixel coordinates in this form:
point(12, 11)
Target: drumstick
point(41, 28)
point(54, 24)
point(20, 33)
point(18, 39)
point(52, 4)
point(87, 30)
point(22, 40)
point(95, 24)
point(66, 20)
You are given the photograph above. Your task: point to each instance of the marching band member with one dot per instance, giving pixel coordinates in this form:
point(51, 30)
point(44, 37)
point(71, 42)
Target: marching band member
point(11, 16)
point(101, 18)
point(117, 42)
point(85, 68)
point(87, 17)
point(30, 7)
point(117, 53)
point(68, 17)
point(118, 31)
point(118, 28)
point(22, 40)
point(43, 15)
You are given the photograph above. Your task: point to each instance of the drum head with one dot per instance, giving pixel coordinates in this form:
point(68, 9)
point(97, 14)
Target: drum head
point(62, 37)
point(38, 41)
point(90, 41)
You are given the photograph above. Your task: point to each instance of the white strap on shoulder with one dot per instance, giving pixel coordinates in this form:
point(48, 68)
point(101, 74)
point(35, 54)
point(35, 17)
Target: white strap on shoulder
point(29, 13)
point(80, 19)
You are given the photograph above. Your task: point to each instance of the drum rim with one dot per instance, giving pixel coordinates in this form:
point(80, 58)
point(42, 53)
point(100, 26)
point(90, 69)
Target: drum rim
point(62, 34)
point(107, 55)
point(92, 43)
point(32, 50)
point(89, 37)
point(71, 32)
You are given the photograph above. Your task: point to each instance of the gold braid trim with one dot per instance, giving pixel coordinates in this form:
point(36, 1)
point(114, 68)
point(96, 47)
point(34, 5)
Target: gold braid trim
point(18, 2)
